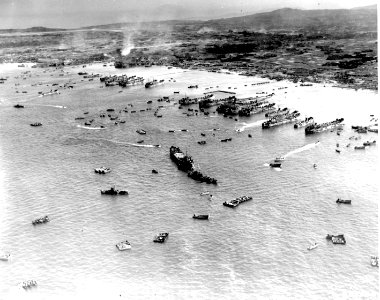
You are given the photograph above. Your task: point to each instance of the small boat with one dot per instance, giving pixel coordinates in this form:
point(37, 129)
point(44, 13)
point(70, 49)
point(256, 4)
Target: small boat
point(249, 135)
point(205, 193)
point(171, 130)
point(29, 283)
point(41, 220)
point(200, 217)
point(36, 124)
point(140, 141)
point(113, 191)
point(337, 150)
point(343, 201)
point(315, 166)
point(5, 257)
point(203, 134)
point(278, 159)
point(202, 142)
point(359, 147)
point(154, 171)
point(374, 261)
point(275, 165)
point(102, 170)
point(336, 239)
point(141, 131)
point(235, 202)
point(125, 245)
point(313, 246)
point(18, 106)
point(161, 237)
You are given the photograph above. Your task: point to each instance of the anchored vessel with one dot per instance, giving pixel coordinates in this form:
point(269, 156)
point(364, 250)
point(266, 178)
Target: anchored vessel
point(161, 237)
point(5, 257)
point(316, 128)
point(125, 245)
point(113, 191)
point(237, 201)
point(343, 201)
point(186, 164)
point(374, 261)
point(200, 217)
point(29, 284)
point(41, 220)
point(336, 239)
point(102, 170)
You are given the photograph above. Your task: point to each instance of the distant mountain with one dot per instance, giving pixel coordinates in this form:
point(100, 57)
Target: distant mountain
point(374, 6)
point(295, 19)
point(31, 29)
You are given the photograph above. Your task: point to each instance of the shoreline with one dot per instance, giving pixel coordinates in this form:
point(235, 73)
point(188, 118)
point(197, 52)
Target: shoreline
point(9, 66)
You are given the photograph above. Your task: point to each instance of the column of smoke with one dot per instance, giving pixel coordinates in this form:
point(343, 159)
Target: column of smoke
point(128, 44)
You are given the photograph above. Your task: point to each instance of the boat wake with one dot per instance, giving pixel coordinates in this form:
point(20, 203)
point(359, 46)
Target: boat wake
point(144, 146)
point(126, 144)
point(303, 148)
point(250, 125)
point(90, 128)
point(56, 106)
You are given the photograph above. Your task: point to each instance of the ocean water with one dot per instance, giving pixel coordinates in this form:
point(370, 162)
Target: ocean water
point(255, 251)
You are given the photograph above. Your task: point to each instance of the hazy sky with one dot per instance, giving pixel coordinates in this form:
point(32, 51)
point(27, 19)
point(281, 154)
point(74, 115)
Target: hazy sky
point(77, 13)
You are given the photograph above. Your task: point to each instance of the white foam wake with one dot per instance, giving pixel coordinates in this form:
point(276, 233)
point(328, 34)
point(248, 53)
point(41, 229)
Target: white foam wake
point(90, 128)
point(130, 144)
point(56, 106)
point(303, 148)
point(250, 125)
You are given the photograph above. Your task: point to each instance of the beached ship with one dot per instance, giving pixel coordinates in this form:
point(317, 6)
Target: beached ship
point(237, 201)
point(316, 128)
point(154, 83)
point(280, 120)
point(306, 122)
point(132, 80)
point(278, 112)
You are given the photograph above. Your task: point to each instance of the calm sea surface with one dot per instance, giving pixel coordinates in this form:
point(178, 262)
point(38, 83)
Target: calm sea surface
point(255, 251)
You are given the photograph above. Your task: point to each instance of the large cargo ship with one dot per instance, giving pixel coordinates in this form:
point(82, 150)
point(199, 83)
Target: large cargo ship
point(186, 164)
point(316, 128)
point(132, 80)
point(153, 83)
point(280, 120)
point(306, 122)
